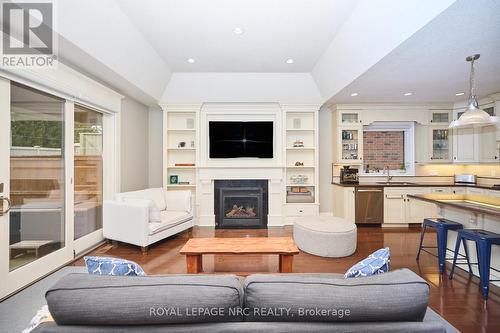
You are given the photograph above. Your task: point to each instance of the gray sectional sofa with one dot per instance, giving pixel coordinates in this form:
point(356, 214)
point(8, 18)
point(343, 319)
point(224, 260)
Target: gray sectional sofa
point(390, 302)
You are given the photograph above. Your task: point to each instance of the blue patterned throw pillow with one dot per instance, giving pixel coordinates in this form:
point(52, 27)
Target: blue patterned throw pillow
point(112, 266)
point(375, 263)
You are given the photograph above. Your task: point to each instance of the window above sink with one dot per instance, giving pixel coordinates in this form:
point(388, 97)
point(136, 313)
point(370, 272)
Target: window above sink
point(389, 145)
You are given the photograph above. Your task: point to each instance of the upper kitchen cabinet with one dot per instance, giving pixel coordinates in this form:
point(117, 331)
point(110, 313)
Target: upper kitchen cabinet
point(465, 145)
point(349, 118)
point(433, 144)
point(475, 145)
point(440, 143)
point(440, 117)
point(347, 136)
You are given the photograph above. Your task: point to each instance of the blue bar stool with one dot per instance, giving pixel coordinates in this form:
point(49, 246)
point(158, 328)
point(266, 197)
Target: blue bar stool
point(442, 226)
point(484, 239)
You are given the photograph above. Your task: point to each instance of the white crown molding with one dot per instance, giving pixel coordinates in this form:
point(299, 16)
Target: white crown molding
point(392, 106)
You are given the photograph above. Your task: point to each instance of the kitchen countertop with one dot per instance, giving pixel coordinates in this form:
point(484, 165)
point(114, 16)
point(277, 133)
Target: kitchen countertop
point(415, 184)
point(460, 202)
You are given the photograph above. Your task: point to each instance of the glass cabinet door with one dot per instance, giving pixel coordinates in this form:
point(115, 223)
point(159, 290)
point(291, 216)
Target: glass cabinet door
point(350, 144)
point(440, 144)
point(349, 118)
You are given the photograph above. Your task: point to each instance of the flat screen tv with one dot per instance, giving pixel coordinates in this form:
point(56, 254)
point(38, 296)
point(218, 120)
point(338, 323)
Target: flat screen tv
point(232, 139)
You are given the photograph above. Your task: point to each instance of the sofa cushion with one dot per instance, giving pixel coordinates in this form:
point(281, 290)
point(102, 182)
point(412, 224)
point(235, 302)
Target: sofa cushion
point(155, 194)
point(83, 299)
point(154, 212)
point(112, 266)
point(400, 295)
point(375, 263)
point(168, 219)
point(178, 200)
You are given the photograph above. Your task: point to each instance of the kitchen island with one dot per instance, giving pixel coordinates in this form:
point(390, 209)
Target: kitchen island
point(474, 211)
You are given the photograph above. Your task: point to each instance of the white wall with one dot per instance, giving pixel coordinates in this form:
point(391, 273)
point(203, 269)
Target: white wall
point(155, 147)
point(288, 88)
point(102, 30)
point(134, 145)
point(325, 161)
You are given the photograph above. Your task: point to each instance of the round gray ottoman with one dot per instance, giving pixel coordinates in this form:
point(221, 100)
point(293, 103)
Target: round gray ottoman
point(325, 236)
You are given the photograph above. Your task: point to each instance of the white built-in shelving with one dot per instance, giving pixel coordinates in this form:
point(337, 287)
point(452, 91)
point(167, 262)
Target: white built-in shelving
point(301, 161)
point(180, 157)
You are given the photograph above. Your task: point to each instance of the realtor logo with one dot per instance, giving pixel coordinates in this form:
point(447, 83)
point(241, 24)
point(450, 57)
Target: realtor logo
point(28, 34)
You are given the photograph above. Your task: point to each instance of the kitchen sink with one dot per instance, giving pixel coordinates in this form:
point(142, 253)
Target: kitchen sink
point(395, 183)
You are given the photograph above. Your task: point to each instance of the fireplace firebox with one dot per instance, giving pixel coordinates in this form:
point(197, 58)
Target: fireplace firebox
point(241, 203)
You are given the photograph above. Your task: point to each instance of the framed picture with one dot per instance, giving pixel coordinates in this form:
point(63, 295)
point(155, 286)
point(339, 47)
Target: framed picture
point(173, 179)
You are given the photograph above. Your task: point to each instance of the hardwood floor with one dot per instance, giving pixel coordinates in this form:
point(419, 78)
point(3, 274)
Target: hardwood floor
point(459, 301)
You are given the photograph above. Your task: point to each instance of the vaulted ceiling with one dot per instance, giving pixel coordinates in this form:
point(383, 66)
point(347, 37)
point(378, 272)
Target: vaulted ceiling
point(377, 48)
point(270, 32)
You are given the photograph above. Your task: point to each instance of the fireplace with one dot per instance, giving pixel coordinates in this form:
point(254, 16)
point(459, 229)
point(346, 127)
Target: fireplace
point(241, 203)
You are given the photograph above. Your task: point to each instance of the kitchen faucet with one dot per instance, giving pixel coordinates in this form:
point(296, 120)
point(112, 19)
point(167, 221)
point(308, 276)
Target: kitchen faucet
point(389, 177)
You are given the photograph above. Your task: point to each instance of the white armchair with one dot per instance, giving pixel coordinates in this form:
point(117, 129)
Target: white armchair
point(147, 216)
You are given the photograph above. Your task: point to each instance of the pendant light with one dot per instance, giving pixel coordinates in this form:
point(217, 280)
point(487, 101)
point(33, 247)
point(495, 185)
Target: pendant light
point(473, 115)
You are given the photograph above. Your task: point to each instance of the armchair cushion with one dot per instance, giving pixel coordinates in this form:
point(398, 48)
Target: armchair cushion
point(178, 200)
point(154, 212)
point(168, 219)
point(154, 194)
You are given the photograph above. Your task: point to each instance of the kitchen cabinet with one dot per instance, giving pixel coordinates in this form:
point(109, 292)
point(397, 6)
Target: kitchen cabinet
point(488, 149)
point(349, 205)
point(347, 137)
point(465, 145)
point(440, 117)
point(440, 144)
point(349, 118)
point(417, 210)
point(476, 145)
point(394, 206)
point(344, 202)
point(401, 210)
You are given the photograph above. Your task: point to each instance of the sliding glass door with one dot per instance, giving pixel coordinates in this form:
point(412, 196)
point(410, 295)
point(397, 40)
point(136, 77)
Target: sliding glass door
point(52, 181)
point(88, 173)
point(33, 155)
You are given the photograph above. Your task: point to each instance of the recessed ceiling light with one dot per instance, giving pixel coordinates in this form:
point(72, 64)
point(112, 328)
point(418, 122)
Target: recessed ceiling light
point(190, 60)
point(289, 61)
point(354, 94)
point(460, 94)
point(408, 94)
point(237, 31)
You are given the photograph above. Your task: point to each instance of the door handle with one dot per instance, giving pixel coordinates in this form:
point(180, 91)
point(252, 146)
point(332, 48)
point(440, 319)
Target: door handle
point(2, 199)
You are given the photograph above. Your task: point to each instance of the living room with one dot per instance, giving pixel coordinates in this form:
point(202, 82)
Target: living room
point(278, 165)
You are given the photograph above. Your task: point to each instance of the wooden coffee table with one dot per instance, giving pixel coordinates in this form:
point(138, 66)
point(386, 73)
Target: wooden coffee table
point(282, 246)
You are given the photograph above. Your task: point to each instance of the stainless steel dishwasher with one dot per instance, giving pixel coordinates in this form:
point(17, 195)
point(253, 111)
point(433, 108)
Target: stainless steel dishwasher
point(369, 205)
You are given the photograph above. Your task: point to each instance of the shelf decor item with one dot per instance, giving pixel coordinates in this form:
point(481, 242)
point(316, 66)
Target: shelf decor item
point(184, 164)
point(298, 163)
point(181, 144)
point(173, 179)
point(299, 179)
point(298, 143)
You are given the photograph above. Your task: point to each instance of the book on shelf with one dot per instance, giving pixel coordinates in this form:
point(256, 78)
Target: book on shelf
point(184, 183)
point(184, 164)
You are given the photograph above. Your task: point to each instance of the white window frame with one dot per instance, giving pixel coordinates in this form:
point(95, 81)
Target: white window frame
point(408, 127)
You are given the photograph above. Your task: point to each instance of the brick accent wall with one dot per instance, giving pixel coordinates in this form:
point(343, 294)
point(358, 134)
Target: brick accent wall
point(382, 148)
